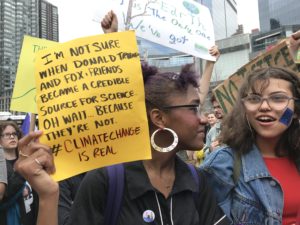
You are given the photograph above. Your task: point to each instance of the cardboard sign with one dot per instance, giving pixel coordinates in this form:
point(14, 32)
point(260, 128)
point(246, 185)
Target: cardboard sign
point(24, 93)
point(227, 92)
point(293, 43)
point(90, 98)
point(298, 56)
point(183, 25)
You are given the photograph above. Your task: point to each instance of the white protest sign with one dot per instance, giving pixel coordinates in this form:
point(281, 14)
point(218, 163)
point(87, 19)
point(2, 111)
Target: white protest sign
point(183, 25)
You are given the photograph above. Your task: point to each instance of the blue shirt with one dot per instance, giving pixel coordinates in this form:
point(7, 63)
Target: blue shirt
point(255, 198)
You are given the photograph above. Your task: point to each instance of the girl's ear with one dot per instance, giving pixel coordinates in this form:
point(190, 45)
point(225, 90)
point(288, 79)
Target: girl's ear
point(158, 117)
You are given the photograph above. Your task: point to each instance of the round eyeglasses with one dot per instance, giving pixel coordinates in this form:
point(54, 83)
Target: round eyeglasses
point(9, 135)
point(275, 101)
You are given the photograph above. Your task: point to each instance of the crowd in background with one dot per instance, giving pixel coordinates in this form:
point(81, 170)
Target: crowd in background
point(248, 161)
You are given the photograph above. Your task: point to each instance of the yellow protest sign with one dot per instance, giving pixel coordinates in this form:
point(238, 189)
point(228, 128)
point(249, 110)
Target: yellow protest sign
point(90, 98)
point(227, 91)
point(24, 93)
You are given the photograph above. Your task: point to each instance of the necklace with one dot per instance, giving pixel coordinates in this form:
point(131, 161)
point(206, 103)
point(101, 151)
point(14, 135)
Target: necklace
point(159, 209)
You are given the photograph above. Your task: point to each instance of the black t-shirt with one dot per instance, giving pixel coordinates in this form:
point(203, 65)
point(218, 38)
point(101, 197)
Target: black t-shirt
point(140, 196)
point(27, 200)
point(68, 189)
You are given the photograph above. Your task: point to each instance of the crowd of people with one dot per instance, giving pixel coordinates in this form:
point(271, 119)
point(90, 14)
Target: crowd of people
point(250, 173)
point(19, 202)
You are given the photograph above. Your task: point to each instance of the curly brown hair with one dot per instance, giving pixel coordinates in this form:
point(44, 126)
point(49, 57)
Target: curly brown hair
point(236, 132)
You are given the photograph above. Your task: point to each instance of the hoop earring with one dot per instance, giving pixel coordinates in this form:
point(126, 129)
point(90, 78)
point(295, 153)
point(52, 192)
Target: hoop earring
point(165, 149)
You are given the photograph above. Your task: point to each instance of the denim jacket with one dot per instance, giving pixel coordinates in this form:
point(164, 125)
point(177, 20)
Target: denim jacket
point(256, 198)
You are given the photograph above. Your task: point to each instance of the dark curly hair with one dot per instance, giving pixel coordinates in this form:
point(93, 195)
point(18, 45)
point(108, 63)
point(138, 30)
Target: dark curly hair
point(236, 132)
point(160, 86)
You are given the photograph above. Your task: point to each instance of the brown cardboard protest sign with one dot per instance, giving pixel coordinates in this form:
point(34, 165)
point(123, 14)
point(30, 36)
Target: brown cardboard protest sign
point(298, 56)
point(227, 91)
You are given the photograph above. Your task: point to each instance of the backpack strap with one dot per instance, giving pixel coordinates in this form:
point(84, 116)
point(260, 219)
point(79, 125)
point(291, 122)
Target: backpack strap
point(115, 193)
point(196, 178)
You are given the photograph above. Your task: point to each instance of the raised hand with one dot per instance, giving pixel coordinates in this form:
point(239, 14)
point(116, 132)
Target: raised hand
point(294, 43)
point(109, 23)
point(214, 51)
point(35, 163)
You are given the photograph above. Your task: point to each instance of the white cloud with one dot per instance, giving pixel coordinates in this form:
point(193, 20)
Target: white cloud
point(76, 18)
point(248, 14)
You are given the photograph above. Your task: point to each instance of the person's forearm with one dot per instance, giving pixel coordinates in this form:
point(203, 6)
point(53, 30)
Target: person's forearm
point(205, 80)
point(48, 209)
point(35, 165)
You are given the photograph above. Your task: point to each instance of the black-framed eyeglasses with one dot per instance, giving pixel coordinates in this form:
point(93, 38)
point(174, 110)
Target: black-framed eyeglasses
point(275, 101)
point(9, 135)
point(195, 107)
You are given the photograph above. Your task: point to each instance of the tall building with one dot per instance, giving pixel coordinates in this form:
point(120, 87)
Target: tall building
point(262, 41)
point(276, 13)
point(224, 15)
point(37, 18)
point(48, 20)
point(278, 20)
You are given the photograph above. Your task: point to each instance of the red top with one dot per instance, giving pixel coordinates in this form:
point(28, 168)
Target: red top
point(285, 172)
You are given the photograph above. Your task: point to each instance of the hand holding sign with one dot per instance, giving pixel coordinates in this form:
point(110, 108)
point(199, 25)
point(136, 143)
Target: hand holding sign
point(183, 25)
point(294, 44)
point(109, 23)
point(214, 51)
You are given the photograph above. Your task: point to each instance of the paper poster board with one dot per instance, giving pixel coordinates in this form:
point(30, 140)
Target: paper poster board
point(90, 98)
point(24, 93)
point(227, 91)
point(183, 25)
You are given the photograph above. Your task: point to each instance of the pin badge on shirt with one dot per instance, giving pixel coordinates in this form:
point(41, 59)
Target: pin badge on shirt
point(287, 117)
point(148, 216)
